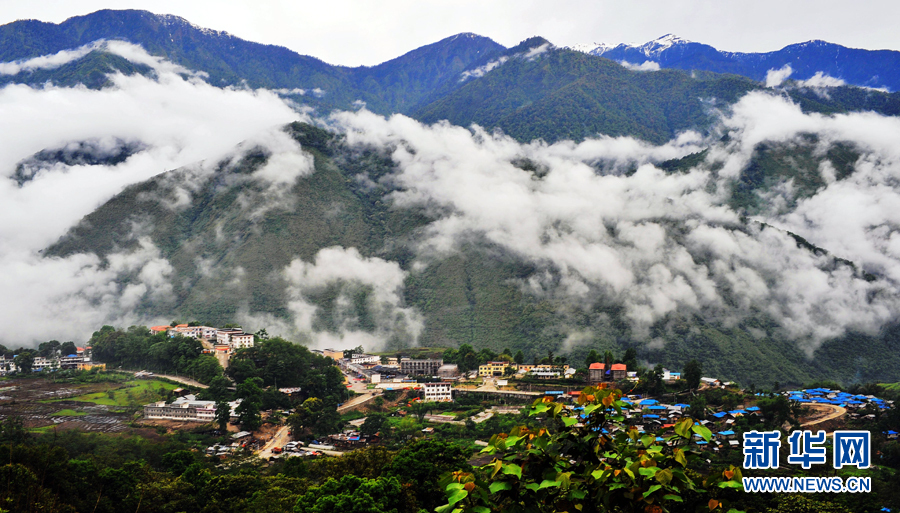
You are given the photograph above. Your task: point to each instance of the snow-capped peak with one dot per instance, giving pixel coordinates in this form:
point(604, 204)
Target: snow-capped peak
point(592, 48)
point(661, 44)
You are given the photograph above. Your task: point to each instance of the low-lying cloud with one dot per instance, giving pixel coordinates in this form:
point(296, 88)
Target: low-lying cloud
point(659, 243)
point(170, 120)
point(644, 66)
point(369, 309)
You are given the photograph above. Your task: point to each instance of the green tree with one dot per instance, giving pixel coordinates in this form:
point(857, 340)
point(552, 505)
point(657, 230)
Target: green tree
point(68, 348)
point(519, 358)
point(319, 417)
point(421, 463)
point(630, 358)
point(373, 423)
point(250, 393)
point(693, 371)
point(24, 361)
point(575, 466)
point(223, 414)
point(592, 357)
point(49, 348)
point(420, 409)
point(353, 494)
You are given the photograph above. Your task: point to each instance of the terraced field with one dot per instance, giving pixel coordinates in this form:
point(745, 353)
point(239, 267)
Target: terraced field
point(100, 407)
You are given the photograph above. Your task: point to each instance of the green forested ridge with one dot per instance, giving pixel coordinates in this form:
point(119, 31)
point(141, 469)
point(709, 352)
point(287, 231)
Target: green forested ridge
point(563, 94)
point(472, 297)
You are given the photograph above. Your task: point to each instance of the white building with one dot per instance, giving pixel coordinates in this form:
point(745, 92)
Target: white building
point(359, 359)
point(7, 365)
point(234, 338)
point(184, 408)
point(241, 341)
point(438, 392)
point(49, 363)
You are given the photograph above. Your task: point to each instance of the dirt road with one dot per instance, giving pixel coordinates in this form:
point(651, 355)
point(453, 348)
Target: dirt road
point(833, 412)
point(179, 379)
point(281, 437)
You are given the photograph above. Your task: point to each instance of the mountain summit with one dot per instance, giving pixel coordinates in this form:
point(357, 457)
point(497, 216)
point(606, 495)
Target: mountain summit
point(865, 68)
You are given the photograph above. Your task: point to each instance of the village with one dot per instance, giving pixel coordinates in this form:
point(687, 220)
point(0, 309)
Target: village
point(504, 388)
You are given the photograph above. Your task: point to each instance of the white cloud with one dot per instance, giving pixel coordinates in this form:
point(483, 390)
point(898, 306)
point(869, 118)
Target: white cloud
point(774, 77)
point(645, 66)
point(172, 120)
point(346, 269)
point(821, 80)
point(660, 243)
point(55, 60)
point(481, 70)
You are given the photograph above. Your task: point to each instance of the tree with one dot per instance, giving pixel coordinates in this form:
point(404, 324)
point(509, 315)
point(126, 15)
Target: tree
point(373, 423)
point(50, 348)
point(218, 389)
point(319, 417)
point(422, 462)
point(589, 464)
point(697, 409)
point(630, 358)
point(68, 348)
point(353, 494)
point(519, 358)
point(420, 409)
point(24, 361)
point(592, 357)
point(223, 414)
point(250, 392)
point(693, 371)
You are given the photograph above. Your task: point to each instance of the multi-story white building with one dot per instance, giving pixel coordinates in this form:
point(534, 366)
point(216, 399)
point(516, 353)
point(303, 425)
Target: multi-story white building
point(438, 392)
point(241, 341)
point(234, 338)
point(7, 365)
point(207, 332)
point(360, 359)
point(184, 408)
point(49, 363)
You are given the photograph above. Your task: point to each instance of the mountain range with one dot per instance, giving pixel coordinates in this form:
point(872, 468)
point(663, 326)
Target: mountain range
point(865, 68)
point(598, 206)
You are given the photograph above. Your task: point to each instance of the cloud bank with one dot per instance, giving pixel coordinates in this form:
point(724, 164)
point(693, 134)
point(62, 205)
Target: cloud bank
point(166, 121)
point(655, 243)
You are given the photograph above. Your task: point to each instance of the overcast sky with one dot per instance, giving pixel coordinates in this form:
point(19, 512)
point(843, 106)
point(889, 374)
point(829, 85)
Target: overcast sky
point(364, 32)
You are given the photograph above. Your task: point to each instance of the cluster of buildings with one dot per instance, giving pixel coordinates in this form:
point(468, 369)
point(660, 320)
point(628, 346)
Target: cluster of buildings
point(80, 360)
point(502, 368)
point(652, 417)
point(216, 340)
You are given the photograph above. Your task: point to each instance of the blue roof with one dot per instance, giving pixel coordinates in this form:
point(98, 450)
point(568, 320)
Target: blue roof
point(719, 415)
point(682, 405)
point(649, 401)
point(729, 432)
point(753, 408)
point(651, 416)
point(656, 407)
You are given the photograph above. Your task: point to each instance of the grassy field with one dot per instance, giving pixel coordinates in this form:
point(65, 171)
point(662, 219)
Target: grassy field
point(129, 393)
point(69, 413)
point(891, 386)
